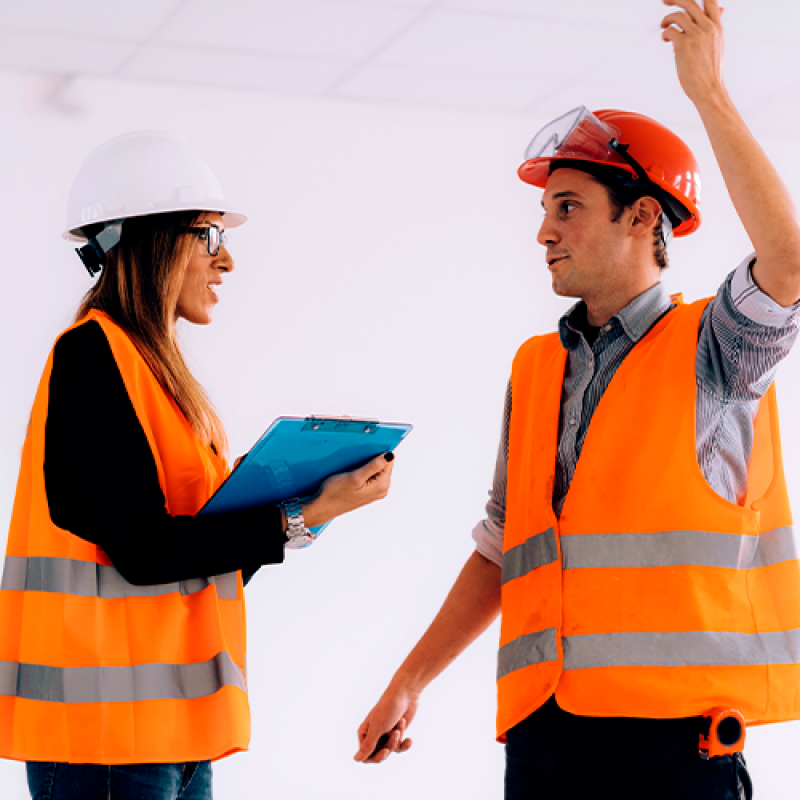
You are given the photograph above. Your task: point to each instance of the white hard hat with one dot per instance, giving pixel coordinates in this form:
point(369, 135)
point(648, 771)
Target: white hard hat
point(146, 172)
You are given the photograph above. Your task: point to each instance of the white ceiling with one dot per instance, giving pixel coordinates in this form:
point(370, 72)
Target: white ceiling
point(495, 56)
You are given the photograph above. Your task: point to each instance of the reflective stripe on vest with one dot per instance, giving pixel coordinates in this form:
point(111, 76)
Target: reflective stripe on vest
point(537, 551)
point(119, 684)
point(663, 549)
point(89, 579)
point(524, 651)
point(694, 648)
point(700, 648)
point(672, 548)
point(650, 595)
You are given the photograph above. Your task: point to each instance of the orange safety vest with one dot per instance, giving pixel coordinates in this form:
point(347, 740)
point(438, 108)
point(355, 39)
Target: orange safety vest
point(92, 668)
point(651, 596)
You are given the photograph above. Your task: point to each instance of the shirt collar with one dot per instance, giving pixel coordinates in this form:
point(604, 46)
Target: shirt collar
point(636, 318)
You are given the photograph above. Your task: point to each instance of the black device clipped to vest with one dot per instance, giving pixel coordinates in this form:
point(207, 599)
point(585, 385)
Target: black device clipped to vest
point(722, 733)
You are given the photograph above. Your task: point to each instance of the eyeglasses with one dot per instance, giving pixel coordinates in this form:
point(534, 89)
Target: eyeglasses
point(211, 235)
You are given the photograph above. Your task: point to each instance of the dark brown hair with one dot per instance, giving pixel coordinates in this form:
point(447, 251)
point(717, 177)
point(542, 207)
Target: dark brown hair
point(621, 195)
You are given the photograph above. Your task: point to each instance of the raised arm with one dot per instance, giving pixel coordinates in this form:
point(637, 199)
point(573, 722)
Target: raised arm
point(759, 196)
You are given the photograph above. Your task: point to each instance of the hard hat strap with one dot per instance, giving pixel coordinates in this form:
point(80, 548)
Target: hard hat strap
point(672, 217)
point(622, 151)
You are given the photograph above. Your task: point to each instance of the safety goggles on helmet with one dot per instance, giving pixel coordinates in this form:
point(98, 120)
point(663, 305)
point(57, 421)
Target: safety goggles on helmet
point(576, 134)
point(579, 134)
point(211, 235)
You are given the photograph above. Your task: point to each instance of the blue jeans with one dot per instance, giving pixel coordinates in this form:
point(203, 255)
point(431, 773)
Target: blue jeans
point(554, 755)
point(52, 781)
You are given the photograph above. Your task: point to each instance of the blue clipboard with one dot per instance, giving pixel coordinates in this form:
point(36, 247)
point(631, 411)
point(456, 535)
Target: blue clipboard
point(295, 455)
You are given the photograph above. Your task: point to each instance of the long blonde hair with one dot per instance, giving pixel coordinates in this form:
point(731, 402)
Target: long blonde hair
point(138, 288)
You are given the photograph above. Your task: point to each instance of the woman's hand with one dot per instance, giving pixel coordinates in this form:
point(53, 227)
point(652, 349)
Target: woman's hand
point(350, 490)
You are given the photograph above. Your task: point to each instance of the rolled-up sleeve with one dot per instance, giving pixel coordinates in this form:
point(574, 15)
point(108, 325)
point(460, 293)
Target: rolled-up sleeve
point(756, 305)
point(743, 336)
point(488, 533)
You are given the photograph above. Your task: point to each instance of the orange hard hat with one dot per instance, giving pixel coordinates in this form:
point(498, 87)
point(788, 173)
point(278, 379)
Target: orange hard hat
point(659, 161)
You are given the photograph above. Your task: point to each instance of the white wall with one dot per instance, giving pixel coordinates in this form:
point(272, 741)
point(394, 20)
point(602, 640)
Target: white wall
point(389, 270)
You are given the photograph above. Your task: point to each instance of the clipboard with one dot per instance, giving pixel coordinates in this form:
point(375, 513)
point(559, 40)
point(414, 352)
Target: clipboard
point(296, 454)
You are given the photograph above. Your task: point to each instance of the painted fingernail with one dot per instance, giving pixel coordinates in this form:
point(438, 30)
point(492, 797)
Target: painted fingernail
point(389, 456)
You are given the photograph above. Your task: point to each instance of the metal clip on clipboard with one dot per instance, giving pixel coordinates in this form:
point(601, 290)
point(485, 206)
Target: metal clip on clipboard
point(341, 425)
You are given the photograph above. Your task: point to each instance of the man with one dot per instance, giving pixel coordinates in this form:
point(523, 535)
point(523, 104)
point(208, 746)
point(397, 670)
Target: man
point(637, 591)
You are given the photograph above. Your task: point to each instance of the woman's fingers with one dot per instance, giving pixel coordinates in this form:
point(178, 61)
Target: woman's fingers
point(348, 491)
point(376, 473)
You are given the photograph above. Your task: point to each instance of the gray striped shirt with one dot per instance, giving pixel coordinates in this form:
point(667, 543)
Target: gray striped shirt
point(743, 335)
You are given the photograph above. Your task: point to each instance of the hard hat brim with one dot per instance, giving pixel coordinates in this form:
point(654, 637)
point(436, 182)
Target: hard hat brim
point(536, 171)
point(233, 219)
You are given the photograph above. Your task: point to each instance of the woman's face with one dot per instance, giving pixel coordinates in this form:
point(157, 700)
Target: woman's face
point(203, 276)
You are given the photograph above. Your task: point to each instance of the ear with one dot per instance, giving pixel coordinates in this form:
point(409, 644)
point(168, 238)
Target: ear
point(644, 215)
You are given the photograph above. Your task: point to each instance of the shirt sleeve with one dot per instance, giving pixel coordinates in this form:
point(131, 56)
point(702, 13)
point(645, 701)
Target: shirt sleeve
point(743, 336)
point(754, 304)
point(102, 483)
point(489, 532)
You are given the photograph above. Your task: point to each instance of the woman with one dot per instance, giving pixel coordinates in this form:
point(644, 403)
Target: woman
point(121, 611)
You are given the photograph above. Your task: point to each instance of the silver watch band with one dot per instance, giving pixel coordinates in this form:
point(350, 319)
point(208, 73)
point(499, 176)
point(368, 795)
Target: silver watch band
point(297, 535)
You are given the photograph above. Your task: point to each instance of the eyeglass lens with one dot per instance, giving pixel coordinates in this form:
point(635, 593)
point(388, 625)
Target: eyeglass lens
point(212, 236)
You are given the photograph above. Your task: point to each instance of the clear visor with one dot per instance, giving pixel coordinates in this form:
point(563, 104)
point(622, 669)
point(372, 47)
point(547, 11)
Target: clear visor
point(578, 134)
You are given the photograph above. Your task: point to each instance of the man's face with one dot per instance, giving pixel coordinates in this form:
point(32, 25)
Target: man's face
point(585, 248)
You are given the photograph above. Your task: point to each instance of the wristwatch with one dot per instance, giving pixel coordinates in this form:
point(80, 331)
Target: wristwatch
point(297, 535)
